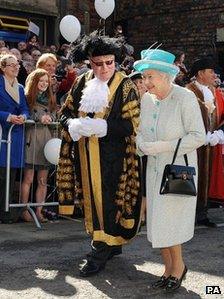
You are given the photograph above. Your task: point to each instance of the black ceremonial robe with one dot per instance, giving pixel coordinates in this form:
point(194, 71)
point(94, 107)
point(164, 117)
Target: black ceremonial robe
point(103, 173)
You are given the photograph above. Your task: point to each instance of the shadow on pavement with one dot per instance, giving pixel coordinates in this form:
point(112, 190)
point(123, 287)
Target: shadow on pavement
point(46, 265)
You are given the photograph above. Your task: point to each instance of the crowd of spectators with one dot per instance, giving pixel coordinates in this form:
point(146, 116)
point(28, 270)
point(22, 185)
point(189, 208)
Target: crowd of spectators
point(31, 55)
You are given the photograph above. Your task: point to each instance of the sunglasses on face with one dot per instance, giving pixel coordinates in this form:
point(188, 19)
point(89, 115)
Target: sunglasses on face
point(101, 63)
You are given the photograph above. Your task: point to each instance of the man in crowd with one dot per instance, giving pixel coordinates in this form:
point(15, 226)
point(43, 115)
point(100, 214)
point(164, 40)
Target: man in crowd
point(203, 72)
point(100, 119)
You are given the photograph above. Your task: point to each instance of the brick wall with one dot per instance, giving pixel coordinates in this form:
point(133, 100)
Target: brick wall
point(43, 7)
point(78, 9)
point(188, 25)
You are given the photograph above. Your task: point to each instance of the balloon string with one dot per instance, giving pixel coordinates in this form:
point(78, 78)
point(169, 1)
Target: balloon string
point(69, 51)
point(102, 23)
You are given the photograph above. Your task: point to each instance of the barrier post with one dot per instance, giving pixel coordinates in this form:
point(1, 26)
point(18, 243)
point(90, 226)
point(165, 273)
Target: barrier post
point(7, 184)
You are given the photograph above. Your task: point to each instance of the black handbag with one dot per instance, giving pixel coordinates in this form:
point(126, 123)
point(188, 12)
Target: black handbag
point(178, 179)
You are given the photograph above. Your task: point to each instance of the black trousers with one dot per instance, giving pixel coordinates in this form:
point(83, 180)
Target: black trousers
point(100, 252)
point(13, 172)
point(201, 212)
point(203, 183)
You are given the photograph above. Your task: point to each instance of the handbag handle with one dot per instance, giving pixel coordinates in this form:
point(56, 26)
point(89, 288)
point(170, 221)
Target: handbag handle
point(175, 153)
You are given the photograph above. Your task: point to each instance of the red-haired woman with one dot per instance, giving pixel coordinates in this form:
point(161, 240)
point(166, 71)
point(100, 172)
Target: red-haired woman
point(43, 111)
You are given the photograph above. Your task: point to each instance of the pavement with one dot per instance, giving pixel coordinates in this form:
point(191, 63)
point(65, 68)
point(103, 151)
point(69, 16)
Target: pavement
point(43, 263)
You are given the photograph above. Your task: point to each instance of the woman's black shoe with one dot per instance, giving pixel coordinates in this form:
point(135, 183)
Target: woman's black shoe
point(207, 222)
point(174, 283)
point(161, 283)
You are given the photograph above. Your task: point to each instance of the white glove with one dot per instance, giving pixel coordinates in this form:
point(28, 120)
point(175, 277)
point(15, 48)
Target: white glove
point(208, 136)
point(97, 126)
point(221, 136)
point(73, 128)
point(156, 147)
point(86, 127)
point(78, 127)
point(217, 137)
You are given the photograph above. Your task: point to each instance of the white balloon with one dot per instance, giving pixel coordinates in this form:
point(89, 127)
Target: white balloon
point(52, 150)
point(70, 28)
point(104, 8)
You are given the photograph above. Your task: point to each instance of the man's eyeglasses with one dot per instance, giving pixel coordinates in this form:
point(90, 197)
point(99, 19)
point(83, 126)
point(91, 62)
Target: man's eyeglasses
point(101, 63)
point(13, 65)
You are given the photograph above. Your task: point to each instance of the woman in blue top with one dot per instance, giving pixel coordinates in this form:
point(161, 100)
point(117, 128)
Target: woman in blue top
point(13, 110)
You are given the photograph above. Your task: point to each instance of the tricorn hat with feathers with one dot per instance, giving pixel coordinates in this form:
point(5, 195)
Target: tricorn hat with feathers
point(97, 45)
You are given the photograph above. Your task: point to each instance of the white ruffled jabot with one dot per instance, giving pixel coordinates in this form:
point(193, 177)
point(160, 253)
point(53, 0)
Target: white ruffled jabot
point(94, 96)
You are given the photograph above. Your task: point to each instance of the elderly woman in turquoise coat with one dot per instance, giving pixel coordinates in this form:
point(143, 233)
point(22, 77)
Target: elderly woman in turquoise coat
point(13, 111)
point(168, 112)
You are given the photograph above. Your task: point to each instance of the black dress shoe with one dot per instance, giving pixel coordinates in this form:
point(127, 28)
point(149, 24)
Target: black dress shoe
point(90, 268)
point(206, 222)
point(174, 283)
point(115, 250)
point(161, 283)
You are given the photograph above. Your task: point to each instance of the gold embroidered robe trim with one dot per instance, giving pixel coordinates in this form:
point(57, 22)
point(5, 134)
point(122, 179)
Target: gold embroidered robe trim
point(100, 235)
point(94, 157)
point(86, 186)
point(66, 210)
point(127, 223)
point(129, 181)
point(67, 190)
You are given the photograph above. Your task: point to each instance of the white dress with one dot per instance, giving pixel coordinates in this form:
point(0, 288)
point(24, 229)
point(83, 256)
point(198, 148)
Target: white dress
point(170, 218)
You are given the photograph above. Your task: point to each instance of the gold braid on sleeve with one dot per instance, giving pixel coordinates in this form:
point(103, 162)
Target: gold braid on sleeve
point(67, 184)
point(129, 182)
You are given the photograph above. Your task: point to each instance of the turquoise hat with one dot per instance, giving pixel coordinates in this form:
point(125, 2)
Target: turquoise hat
point(156, 60)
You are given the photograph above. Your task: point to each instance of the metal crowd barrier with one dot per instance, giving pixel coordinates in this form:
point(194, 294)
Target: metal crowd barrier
point(28, 205)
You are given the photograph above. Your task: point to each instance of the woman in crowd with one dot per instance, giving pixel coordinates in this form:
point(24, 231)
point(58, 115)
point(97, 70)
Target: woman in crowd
point(168, 112)
point(32, 43)
point(13, 111)
point(181, 78)
point(42, 107)
point(22, 71)
point(48, 62)
point(137, 78)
